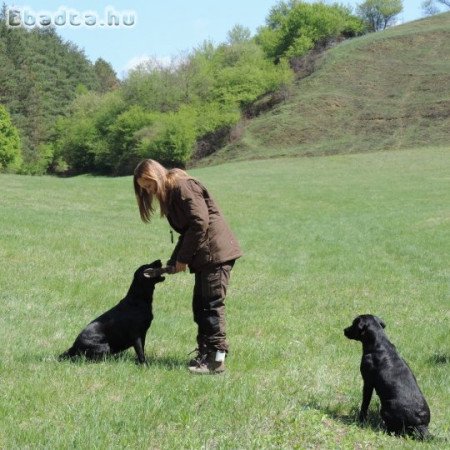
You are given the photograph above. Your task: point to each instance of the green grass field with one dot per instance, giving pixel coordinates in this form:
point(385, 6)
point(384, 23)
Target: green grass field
point(325, 239)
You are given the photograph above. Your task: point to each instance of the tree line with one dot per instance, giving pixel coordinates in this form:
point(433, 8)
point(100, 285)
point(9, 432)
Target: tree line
point(40, 75)
point(62, 113)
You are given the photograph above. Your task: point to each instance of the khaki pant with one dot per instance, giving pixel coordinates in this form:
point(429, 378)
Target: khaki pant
point(208, 305)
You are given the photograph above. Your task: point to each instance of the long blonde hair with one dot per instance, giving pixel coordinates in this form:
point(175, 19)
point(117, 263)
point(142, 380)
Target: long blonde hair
point(165, 181)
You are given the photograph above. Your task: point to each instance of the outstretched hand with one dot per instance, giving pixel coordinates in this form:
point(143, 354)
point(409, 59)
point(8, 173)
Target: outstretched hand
point(180, 267)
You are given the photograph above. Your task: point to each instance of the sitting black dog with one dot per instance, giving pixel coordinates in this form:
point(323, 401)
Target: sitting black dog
point(404, 409)
point(124, 325)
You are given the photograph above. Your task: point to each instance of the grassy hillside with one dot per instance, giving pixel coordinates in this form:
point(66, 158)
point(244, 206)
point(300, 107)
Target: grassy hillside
point(325, 239)
point(388, 90)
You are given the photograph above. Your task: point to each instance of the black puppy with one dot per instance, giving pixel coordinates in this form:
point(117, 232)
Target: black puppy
point(403, 407)
point(124, 325)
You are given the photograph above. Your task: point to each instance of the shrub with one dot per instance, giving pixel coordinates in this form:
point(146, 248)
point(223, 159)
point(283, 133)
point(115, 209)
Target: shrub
point(10, 152)
point(123, 138)
point(245, 74)
point(173, 140)
point(300, 26)
point(39, 162)
point(81, 139)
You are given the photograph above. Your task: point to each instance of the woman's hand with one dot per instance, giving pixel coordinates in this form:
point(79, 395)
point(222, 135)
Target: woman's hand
point(180, 267)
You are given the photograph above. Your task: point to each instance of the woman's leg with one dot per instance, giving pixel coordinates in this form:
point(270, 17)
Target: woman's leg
point(197, 310)
point(214, 284)
point(209, 308)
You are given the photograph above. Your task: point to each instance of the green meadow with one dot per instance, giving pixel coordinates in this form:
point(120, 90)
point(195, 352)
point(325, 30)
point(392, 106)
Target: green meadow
point(325, 239)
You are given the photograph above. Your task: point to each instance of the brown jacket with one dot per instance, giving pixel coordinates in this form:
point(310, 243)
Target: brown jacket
point(205, 238)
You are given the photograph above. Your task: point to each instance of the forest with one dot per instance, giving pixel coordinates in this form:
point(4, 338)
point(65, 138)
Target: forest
point(60, 113)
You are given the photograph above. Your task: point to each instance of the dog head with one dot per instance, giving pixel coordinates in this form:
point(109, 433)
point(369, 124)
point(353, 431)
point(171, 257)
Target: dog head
point(363, 326)
point(149, 281)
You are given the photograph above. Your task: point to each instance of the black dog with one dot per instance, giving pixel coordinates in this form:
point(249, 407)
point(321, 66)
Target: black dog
point(403, 407)
point(124, 325)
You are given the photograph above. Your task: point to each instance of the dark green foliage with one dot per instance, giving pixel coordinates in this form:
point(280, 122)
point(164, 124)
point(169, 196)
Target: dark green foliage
point(106, 77)
point(39, 77)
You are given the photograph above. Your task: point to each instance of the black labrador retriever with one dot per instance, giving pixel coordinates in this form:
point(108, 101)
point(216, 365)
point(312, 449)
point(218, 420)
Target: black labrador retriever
point(404, 409)
point(123, 326)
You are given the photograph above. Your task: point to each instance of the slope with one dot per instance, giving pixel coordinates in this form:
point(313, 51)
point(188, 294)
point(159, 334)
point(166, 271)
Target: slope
point(388, 90)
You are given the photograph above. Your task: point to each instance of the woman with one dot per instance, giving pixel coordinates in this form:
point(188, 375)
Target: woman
point(206, 245)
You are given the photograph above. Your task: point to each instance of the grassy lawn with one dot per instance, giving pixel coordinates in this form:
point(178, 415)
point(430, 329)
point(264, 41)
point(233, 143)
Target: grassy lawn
point(325, 239)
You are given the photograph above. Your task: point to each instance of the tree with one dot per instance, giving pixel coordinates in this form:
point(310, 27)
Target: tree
point(238, 34)
point(279, 13)
point(107, 78)
point(243, 73)
point(39, 77)
point(81, 139)
point(431, 7)
point(294, 28)
point(123, 138)
point(379, 14)
point(10, 153)
point(154, 85)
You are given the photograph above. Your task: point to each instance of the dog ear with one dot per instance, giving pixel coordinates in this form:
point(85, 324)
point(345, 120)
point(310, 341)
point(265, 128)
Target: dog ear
point(362, 326)
point(156, 264)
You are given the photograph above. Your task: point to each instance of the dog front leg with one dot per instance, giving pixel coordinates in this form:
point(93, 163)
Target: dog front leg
point(366, 397)
point(139, 348)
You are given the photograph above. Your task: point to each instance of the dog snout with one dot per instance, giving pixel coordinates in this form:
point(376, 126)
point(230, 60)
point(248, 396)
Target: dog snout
point(349, 332)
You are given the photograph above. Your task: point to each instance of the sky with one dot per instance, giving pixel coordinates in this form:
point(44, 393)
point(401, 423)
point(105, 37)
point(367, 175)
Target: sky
point(158, 29)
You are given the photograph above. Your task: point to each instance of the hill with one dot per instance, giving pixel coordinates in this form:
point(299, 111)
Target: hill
point(40, 75)
point(387, 90)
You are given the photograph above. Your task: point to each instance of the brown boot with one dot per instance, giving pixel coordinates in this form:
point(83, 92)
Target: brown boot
point(198, 358)
point(212, 363)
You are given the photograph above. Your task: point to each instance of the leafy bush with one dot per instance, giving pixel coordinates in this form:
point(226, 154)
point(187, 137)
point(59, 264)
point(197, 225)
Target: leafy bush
point(293, 29)
point(10, 153)
point(212, 116)
point(160, 112)
point(81, 139)
point(174, 138)
point(79, 142)
point(39, 162)
point(154, 86)
point(123, 138)
point(244, 74)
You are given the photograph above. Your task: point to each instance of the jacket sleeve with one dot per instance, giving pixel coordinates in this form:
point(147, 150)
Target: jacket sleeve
point(196, 212)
